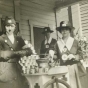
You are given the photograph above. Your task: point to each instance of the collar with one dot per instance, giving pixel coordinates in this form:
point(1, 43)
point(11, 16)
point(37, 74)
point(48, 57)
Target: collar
point(10, 35)
point(8, 42)
point(11, 38)
point(68, 44)
point(49, 41)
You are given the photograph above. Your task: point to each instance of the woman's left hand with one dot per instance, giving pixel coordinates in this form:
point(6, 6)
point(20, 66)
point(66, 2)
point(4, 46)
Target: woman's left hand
point(77, 57)
point(26, 46)
point(29, 46)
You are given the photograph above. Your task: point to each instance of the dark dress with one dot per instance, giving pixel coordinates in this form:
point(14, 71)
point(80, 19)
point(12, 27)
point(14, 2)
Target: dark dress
point(46, 47)
point(10, 74)
point(75, 70)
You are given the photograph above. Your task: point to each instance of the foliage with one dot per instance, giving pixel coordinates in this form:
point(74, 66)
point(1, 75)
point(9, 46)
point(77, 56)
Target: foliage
point(83, 44)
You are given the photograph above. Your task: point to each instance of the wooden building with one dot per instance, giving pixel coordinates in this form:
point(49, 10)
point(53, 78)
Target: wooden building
point(33, 15)
point(84, 17)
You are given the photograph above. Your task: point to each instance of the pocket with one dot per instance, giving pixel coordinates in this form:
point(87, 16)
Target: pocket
point(7, 73)
point(3, 67)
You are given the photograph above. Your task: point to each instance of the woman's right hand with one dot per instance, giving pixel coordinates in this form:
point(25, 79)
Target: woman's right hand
point(6, 54)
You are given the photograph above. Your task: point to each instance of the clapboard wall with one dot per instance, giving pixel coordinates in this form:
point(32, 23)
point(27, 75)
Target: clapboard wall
point(84, 17)
point(39, 13)
point(6, 8)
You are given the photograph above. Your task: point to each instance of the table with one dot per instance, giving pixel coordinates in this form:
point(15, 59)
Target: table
point(39, 79)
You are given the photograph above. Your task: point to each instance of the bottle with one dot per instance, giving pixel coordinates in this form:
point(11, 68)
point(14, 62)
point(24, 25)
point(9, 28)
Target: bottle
point(36, 85)
point(36, 69)
point(32, 69)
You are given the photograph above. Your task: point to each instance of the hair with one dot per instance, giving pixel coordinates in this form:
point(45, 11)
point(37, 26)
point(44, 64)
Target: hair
point(71, 31)
point(65, 29)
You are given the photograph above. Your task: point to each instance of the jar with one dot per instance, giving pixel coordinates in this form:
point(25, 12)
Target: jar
point(36, 69)
point(32, 70)
point(41, 70)
point(46, 69)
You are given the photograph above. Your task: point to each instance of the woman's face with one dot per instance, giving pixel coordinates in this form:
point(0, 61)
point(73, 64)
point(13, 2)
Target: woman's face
point(47, 35)
point(10, 29)
point(65, 32)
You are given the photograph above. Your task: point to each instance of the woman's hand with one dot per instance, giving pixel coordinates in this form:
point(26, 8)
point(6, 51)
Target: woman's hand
point(77, 57)
point(29, 46)
point(6, 54)
point(51, 53)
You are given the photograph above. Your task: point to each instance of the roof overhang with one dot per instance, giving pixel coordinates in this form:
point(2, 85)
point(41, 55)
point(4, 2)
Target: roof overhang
point(64, 3)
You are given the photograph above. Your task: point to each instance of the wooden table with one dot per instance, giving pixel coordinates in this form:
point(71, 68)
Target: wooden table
point(39, 79)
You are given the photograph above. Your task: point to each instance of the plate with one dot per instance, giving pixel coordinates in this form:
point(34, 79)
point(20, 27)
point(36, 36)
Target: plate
point(42, 60)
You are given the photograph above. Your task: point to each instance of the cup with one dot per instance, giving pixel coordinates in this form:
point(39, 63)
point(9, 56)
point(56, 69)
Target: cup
point(41, 70)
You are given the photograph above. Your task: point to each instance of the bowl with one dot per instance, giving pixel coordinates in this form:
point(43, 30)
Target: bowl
point(43, 62)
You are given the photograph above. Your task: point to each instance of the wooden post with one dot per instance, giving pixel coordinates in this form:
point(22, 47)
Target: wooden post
point(17, 10)
point(80, 24)
point(56, 21)
point(55, 9)
point(16, 4)
point(32, 33)
point(0, 23)
point(70, 20)
point(29, 30)
point(70, 15)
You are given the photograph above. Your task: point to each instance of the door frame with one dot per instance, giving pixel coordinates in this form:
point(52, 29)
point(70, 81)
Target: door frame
point(35, 24)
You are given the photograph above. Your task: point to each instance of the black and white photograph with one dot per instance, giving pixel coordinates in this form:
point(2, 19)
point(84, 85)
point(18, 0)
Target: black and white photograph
point(43, 43)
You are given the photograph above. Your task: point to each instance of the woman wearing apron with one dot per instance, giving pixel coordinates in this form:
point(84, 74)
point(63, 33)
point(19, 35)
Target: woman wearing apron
point(11, 49)
point(69, 51)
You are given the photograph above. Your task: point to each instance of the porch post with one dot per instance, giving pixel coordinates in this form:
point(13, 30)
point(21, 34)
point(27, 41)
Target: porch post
point(56, 21)
point(16, 9)
point(70, 15)
point(17, 14)
point(80, 25)
point(0, 23)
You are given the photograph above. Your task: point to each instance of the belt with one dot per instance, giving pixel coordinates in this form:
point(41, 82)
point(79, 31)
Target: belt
point(3, 60)
point(9, 61)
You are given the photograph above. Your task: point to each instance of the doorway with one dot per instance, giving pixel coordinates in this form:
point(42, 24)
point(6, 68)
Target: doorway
point(38, 38)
